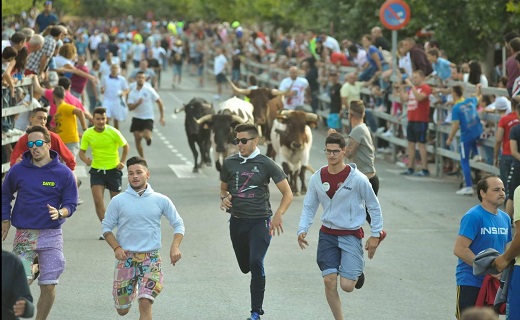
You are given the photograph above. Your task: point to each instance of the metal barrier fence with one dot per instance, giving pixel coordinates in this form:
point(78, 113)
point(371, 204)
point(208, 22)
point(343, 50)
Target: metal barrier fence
point(9, 111)
point(271, 77)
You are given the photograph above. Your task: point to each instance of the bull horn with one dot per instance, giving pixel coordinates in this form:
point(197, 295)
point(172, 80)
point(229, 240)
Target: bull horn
point(181, 109)
point(207, 105)
point(285, 112)
point(311, 117)
point(204, 119)
point(235, 118)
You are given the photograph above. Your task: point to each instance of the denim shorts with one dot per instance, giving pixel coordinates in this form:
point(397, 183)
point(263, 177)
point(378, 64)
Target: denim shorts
point(340, 254)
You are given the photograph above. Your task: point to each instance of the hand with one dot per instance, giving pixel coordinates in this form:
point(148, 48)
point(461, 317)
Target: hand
point(88, 162)
point(500, 263)
point(371, 246)
point(5, 228)
point(19, 307)
point(121, 254)
point(448, 141)
point(301, 240)
point(120, 166)
point(175, 255)
point(408, 82)
point(226, 203)
point(53, 212)
point(276, 224)
point(496, 163)
point(139, 101)
point(162, 122)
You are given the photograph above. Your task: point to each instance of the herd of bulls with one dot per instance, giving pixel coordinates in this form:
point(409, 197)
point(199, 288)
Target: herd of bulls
point(287, 132)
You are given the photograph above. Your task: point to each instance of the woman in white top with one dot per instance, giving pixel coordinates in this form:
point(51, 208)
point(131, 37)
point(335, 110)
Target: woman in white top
point(475, 75)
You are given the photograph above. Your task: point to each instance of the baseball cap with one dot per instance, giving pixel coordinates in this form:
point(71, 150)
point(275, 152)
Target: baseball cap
point(48, 3)
point(502, 103)
point(235, 24)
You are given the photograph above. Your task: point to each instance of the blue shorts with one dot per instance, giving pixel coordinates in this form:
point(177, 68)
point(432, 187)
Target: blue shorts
point(416, 131)
point(334, 121)
point(340, 254)
point(513, 295)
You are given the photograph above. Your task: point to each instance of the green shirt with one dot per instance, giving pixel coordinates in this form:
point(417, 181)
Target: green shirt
point(104, 145)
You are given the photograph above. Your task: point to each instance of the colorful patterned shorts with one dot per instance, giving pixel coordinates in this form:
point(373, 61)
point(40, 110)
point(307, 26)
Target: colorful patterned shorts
point(48, 245)
point(140, 272)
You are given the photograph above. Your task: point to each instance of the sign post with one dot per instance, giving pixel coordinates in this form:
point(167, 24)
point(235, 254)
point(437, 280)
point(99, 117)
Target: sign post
point(394, 15)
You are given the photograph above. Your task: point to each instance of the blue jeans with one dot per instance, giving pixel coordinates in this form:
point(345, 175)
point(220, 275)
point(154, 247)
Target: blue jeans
point(505, 166)
point(367, 74)
point(371, 120)
point(466, 149)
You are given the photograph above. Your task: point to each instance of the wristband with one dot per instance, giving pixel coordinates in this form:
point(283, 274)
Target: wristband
point(116, 248)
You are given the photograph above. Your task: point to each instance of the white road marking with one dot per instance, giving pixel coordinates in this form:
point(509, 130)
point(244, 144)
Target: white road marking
point(184, 171)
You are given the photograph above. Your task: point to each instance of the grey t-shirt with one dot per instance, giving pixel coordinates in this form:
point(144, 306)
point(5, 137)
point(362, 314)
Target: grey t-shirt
point(364, 157)
point(248, 184)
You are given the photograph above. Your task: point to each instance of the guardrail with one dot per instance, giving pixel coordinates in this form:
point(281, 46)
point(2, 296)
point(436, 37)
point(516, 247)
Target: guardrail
point(7, 111)
point(271, 77)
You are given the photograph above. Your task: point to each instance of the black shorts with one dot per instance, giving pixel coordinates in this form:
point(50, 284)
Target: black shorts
point(92, 51)
point(417, 131)
point(111, 179)
point(141, 125)
point(221, 78)
point(123, 65)
point(153, 63)
point(466, 298)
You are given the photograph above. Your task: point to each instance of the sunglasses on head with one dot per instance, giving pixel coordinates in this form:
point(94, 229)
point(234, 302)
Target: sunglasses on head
point(38, 143)
point(243, 140)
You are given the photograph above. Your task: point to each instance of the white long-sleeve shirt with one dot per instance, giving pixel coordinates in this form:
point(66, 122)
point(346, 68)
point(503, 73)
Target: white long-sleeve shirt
point(346, 209)
point(138, 219)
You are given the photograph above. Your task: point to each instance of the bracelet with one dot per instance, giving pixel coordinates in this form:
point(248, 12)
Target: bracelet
point(116, 248)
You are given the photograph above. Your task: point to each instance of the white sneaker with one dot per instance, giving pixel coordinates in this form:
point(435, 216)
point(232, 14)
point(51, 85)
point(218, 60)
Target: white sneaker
point(18, 131)
point(466, 191)
point(380, 130)
point(388, 133)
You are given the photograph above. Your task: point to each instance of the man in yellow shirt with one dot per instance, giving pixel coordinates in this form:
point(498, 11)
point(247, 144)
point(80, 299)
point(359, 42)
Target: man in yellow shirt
point(106, 166)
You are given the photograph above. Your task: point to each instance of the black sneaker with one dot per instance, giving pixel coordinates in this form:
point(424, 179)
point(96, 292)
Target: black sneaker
point(408, 172)
point(101, 237)
point(148, 141)
point(360, 281)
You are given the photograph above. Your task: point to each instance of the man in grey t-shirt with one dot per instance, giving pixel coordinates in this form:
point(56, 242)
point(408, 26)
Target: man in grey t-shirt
point(360, 148)
point(244, 191)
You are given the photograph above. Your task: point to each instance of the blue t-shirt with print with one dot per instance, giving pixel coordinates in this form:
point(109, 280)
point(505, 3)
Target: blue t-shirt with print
point(486, 230)
point(466, 113)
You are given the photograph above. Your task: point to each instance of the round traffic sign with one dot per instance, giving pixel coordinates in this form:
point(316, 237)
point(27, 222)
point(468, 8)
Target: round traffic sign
point(394, 14)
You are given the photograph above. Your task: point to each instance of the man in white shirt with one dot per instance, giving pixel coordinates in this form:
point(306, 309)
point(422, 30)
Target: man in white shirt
point(140, 101)
point(298, 88)
point(219, 69)
point(114, 88)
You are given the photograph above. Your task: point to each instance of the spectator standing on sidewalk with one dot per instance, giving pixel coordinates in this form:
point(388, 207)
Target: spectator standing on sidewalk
point(418, 112)
point(219, 69)
point(464, 115)
point(474, 237)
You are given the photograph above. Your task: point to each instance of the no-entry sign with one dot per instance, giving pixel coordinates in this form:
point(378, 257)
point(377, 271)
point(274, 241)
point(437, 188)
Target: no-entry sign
point(394, 14)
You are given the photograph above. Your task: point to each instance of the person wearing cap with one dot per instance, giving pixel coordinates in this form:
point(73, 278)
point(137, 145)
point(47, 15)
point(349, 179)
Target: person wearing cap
point(483, 226)
point(46, 18)
point(178, 59)
point(343, 192)
point(507, 121)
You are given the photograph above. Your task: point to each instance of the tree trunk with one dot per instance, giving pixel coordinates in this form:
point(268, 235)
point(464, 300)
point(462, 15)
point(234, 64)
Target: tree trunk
point(488, 67)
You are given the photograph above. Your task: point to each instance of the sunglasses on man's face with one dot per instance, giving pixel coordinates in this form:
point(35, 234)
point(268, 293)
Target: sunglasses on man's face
point(243, 140)
point(37, 143)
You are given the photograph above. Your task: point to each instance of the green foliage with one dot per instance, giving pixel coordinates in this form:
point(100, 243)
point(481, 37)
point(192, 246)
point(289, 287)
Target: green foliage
point(11, 7)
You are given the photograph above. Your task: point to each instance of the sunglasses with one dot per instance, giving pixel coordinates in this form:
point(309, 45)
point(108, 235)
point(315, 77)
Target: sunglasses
point(243, 140)
point(333, 152)
point(38, 143)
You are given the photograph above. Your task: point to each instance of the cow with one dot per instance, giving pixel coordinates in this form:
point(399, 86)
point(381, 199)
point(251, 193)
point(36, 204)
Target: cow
point(291, 137)
point(196, 134)
point(232, 112)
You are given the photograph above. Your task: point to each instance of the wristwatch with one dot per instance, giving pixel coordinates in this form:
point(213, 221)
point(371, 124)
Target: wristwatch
point(60, 214)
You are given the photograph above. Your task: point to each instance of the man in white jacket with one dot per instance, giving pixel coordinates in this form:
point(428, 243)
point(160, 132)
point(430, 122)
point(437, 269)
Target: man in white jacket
point(343, 191)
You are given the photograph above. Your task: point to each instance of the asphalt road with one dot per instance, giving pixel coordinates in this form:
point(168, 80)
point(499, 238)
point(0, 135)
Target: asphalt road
point(410, 277)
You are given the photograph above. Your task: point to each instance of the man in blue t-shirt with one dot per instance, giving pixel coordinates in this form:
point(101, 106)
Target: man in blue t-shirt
point(46, 18)
point(482, 227)
point(465, 117)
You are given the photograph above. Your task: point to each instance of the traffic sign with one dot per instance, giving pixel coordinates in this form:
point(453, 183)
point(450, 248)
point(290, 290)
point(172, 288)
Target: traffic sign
point(394, 14)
